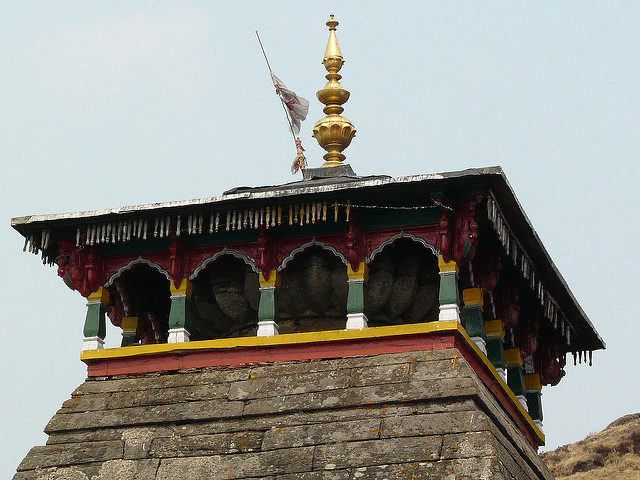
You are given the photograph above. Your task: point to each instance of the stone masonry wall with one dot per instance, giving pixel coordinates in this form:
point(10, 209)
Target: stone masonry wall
point(419, 415)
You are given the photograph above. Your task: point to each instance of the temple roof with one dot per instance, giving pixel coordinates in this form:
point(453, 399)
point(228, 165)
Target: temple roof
point(381, 188)
point(493, 176)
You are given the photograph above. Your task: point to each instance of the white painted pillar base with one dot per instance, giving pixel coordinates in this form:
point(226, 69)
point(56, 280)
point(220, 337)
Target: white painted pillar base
point(356, 321)
point(539, 425)
point(449, 312)
point(503, 373)
point(523, 401)
point(178, 335)
point(92, 343)
point(482, 345)
point(267, 328)
point(527, 364)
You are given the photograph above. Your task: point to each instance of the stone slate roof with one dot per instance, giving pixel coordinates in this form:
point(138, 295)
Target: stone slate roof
point(412, 415)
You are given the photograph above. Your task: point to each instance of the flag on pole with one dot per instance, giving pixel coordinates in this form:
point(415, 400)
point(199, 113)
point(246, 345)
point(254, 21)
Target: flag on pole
point(297, 107)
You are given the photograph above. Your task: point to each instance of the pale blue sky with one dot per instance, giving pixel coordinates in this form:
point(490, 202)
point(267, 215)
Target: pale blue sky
point(112, 103)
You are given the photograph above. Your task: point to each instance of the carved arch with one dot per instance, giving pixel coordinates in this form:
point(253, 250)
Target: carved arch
point(133, 263)
point(399, 236)
point(225, 251)
point(312, 243)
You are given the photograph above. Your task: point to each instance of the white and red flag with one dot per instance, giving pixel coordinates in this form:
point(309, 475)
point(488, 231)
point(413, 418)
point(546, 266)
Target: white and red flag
point(296, 107)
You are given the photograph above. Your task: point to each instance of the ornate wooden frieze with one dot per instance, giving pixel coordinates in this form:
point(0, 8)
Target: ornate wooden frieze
point(520, 259)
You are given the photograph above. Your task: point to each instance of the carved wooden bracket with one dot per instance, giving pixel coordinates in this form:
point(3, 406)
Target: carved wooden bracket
point(177, 258)
point(80, 267)
point(487, 265)
point(526, 332)
point(444, 230)
point(549, 360)
point(267, 258)
point(356, 251)
point(465, 238)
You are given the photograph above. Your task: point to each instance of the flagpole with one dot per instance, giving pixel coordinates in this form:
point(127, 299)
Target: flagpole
point(277, 89)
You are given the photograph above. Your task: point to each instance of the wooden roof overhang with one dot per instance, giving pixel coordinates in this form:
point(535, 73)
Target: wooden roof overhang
point(512, 226)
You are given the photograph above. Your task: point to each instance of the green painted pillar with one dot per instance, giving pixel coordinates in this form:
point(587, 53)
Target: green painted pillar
point(268, 307)
point(494, 332)
point(180, 313)
point(95, 327)
point(515, 374)
point(448, 295)
point(356, 319)
point(533, 388)
point(129, 331)
point(473, 319)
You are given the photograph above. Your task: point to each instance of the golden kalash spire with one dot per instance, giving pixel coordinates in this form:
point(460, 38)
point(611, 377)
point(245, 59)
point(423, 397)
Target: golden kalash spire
point(334, 132)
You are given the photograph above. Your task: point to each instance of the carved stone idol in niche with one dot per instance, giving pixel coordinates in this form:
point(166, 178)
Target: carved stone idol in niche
point(313, 295)
point(225, 300)
point(403, 285)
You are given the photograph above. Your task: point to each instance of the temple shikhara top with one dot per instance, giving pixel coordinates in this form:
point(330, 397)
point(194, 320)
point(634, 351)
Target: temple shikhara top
point(334, 327)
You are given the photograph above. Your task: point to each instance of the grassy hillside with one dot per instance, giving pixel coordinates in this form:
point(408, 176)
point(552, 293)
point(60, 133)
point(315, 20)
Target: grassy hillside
point(612, 454)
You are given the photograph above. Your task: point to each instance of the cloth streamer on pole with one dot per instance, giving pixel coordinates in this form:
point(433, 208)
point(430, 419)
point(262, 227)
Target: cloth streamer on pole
point(295, 108)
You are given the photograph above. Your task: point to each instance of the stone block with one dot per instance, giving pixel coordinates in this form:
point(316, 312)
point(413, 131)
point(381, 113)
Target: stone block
point(139, 398)
point(124, 417)
point(70, 454)
point(263, 386)
point(202, 445)
point(459, 469)
point(246, 465)
point(453, 367)
point(297, 436)
point(381, 374)
point(369, 395)
point(434, 424)
point(376, 452)
point(468, 444)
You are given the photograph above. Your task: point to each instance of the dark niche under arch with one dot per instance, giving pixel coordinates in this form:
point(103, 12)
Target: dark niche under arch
point(142, 292)
point(313, 293)
point(403, 285)
point(225, 300)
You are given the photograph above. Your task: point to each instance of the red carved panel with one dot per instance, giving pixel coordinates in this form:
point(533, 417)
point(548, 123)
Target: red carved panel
point(80, 267)
point(355, 242)
point(487, 265)
point(549, 360)
point(285, 247)
point(375, 239)
point(465, 237)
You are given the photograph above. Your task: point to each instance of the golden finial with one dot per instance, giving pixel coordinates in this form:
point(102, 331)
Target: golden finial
point(334, 132)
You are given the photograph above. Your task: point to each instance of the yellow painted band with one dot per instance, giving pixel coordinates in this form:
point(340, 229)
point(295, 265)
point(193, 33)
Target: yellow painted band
point(275, 340)
point(449, 266)
point(101, 294)
point(361, 272)
point(271, 280)
point(513, 357)
point(185, 287)
point(473, 296)
point(494, 328)
point(129, 324)
point(532, 382)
